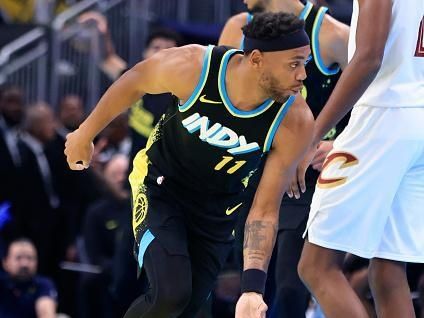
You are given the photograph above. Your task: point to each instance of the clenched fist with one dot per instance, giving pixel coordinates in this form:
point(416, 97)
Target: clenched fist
point(78, 150)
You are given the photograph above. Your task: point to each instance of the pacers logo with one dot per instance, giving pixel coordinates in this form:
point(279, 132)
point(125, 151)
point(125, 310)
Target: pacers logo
point(346, 160)
point(140, 208)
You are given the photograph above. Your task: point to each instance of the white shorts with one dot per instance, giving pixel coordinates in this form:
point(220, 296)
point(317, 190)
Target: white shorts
point(369, 199)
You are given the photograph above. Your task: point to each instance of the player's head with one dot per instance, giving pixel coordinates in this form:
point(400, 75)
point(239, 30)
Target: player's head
point(277, 47)
point(20, 262)
point(257, 6)
point(161, 39)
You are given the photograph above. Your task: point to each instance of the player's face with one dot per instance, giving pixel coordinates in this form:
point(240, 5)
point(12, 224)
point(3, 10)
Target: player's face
point(284, 72)
point(256, 6)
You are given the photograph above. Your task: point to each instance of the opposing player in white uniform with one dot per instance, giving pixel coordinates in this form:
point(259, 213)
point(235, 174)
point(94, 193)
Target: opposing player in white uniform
point(369, 199)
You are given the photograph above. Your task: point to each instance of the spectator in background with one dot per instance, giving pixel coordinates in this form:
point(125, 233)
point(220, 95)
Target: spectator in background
point(11, 116)
point(40, 205)
point(23, 293)
point(113, 140)
point(71, 114)
point(76, 191)
point(103, 220)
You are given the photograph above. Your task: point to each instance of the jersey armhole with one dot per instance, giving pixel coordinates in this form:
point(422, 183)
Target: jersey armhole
point(306, 10)
point(201, 83)
point(276, 123)
point(315, 45)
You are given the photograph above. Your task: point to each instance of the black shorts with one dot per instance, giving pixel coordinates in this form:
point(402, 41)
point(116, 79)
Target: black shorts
point(184, 222)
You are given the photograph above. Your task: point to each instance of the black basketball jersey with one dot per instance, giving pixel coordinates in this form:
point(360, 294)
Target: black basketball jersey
point(206, 143)
point(321, 79)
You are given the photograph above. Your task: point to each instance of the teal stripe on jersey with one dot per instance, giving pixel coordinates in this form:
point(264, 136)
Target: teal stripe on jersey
point(201, 83)
point(278, 119)
point(147, 238)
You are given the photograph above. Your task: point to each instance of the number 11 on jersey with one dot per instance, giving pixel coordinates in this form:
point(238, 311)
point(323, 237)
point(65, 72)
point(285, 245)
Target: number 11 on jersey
point(227, 159)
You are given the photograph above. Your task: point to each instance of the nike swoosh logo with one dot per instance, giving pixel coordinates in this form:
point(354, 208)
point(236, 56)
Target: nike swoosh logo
point(230, 211)
point(203, 99)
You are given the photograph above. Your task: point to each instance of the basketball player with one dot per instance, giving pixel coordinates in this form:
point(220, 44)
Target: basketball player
point(329, 47)
point(230, 107)
point(370, 194)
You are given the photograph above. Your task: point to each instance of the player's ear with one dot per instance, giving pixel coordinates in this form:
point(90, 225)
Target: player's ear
point(256, 59)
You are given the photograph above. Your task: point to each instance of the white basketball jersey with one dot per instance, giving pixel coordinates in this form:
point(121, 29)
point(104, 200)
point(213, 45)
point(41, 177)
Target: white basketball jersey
point(400, 80)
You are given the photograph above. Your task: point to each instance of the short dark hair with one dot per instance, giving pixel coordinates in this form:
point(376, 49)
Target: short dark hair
point(269, 26)
point(18, 240)
point(165, 33)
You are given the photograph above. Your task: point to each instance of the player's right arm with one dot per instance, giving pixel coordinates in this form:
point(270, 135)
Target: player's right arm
point(174, 70)
point(232, 34)
point(290, 144)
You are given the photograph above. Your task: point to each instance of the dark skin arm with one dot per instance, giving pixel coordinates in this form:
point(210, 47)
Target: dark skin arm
point(175, 70)
point(356, 77)
point(290, 143)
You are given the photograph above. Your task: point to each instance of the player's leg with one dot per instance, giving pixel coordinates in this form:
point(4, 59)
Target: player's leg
point(161, 245)
point(321, 270)
point(402, 241)
point(350, 209)
point(207, 260)
point(292, 296)
point(169, 290)
point(390, 289)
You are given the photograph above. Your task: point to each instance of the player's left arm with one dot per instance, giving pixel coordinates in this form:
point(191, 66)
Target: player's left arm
point(363, 67)
point(290, 144)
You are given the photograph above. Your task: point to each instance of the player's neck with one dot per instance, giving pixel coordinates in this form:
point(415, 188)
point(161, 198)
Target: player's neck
point(289, 6)
point(242, 86)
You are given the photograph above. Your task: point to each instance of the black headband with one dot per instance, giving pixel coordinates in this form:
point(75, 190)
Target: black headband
point(285, 42)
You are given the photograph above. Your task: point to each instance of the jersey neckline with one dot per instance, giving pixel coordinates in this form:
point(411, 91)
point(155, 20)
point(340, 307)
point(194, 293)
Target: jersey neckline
point(224, 95)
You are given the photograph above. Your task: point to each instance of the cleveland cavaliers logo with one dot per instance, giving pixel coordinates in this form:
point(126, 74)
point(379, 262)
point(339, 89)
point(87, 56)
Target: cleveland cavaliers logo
point(419, 51)
point(346, 160)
